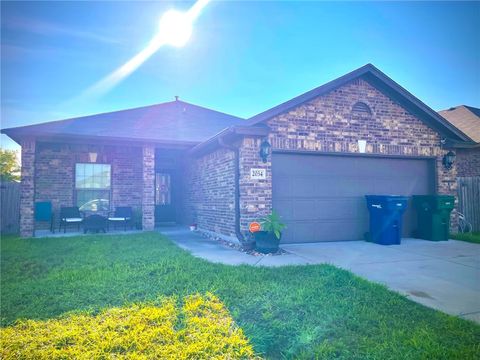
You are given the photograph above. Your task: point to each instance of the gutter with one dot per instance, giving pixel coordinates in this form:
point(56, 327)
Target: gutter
point(462, 144)
point(236, 152)
point(73, 138)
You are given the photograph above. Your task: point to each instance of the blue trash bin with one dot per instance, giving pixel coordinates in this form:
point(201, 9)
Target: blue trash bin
point(386, 214)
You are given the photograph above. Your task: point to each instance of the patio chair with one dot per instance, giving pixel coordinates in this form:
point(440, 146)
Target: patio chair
point(122, 214)
point(70, 215)
point(43, 212)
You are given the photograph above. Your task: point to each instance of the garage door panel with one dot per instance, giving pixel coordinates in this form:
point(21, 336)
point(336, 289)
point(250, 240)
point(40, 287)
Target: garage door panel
point(304, 209)
point(322, 198)
point(305, 231)
point(308, 186)
point(337, 208)
point(284, 207)
point(282, 185)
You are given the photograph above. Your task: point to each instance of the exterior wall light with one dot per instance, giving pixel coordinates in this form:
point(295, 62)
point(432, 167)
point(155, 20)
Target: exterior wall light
point(448, 160)
point(265, 150)
point(92, 157)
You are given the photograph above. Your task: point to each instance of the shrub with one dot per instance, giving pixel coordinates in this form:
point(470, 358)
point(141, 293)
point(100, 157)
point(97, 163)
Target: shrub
point(202, 328)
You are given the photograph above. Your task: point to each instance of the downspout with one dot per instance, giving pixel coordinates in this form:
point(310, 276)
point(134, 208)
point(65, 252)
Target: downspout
point(236, 152)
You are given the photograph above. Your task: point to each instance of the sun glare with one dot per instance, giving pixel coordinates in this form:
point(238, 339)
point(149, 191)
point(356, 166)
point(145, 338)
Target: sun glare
point(175, 29)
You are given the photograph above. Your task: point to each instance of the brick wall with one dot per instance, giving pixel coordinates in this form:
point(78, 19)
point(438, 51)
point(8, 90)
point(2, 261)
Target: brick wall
point(327, 124)
point(55, 173)
point(255, 195)
point(148, 193)
point(468, 162)
point(209, 191)
point(27, 188)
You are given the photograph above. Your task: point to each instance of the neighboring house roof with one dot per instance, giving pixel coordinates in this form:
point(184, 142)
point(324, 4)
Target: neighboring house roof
point(466, 118)
point(175, 122)
point(383, 83)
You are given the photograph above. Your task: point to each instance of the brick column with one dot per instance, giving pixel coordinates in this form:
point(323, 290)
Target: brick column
point(148, 196)
point(255, 195)
point(27, 189)
point(447, 185)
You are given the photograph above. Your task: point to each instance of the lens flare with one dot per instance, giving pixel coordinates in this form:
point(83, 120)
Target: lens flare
point(175, 29)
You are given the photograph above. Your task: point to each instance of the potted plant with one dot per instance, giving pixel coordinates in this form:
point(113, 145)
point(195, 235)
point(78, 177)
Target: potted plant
point(268, 238)
point(248, 241)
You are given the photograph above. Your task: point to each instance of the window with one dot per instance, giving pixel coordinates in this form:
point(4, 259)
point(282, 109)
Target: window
point(361, 108)
point(92, 186)
point(163, 194)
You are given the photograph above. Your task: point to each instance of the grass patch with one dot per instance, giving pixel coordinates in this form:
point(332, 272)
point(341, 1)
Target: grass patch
point(468, 237)
point(315, 311)
point(143, 331)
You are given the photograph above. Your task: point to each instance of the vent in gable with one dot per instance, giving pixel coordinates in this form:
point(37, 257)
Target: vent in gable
point(361, 108)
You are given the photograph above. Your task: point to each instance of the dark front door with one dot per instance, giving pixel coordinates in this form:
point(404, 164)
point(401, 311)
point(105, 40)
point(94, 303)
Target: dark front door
point(164, 204)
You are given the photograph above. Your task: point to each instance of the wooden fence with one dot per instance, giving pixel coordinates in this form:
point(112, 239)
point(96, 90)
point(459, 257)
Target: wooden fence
point(10, 207)
point(469, 200)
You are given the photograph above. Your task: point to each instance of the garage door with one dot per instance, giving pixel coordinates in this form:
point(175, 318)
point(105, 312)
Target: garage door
point(321, 197)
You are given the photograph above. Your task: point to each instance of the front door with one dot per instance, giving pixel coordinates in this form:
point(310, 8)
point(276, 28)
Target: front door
point(164, 207)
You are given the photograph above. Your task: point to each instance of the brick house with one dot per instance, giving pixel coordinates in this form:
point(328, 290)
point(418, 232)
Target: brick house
point(467, 119)
point(177, 162)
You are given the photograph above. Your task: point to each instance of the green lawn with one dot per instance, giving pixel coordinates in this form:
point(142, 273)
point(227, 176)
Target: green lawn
point(469, 237)
point(304, 312)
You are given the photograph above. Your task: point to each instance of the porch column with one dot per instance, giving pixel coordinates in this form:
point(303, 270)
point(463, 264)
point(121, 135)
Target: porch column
point(27, 189)
point(148, 196)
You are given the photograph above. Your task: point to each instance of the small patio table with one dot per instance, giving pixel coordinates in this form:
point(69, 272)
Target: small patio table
point(95, 223)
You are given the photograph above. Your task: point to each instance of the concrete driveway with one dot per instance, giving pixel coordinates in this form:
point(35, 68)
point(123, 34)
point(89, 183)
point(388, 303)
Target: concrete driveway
point(442, 275)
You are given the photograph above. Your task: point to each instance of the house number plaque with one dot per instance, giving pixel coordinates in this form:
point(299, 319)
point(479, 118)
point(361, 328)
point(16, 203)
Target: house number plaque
point(258, 174)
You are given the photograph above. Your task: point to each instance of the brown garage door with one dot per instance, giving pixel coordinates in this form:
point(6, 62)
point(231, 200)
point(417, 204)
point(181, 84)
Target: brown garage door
point(321, 197)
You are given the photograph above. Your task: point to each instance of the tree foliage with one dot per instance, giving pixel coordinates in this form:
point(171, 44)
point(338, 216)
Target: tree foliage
point(9, 167)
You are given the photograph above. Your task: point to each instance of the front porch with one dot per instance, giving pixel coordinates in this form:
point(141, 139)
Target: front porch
point(99, 178)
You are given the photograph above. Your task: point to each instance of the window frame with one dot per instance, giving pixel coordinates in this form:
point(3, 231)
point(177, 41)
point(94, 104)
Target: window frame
point(77, 189)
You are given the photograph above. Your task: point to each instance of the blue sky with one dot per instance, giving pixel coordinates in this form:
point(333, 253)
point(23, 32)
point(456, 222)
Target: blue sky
point(244, 56)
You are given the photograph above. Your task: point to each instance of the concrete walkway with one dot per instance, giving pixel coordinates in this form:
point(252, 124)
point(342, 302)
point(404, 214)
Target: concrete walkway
point(214, 251)
point(442, 275)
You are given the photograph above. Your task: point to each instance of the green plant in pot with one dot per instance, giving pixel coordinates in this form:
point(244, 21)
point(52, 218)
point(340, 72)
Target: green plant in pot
point(268, 239)
point(248, 241)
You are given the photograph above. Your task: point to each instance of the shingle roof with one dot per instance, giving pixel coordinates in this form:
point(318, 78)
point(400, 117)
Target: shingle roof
point(381, 82)
point(175, 121)
point(466, 118)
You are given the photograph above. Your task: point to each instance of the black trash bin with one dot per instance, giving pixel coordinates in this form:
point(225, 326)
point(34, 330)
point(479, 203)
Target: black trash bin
point(433, 213)
point(386, 214)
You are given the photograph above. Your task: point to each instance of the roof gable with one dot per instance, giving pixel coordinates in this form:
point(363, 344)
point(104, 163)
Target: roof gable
point(383, 83)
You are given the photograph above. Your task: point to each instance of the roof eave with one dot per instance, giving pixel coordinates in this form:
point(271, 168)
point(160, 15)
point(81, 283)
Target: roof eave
point(229, 134)
point(71, 138)
point(461, 144)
